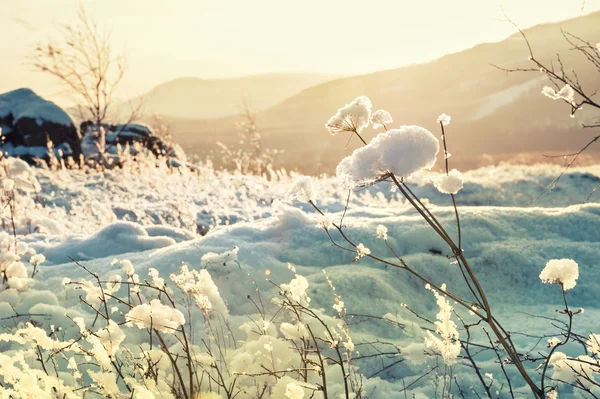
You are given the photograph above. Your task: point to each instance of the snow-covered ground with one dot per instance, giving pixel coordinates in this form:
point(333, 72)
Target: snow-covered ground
point(159, 218)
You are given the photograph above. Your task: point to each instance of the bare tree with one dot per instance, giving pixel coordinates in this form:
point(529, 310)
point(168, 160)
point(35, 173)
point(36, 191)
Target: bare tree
point(83, 60)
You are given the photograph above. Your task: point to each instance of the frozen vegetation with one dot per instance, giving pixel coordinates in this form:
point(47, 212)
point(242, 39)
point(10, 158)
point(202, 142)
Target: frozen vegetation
point(150, 281)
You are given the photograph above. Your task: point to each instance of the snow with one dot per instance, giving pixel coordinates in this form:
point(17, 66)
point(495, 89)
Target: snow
point(116, 238)
point(24, 103)
point(149, 222)
point(505, 97)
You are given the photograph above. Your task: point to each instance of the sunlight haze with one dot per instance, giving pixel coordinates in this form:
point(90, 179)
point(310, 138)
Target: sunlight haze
point(166, 40)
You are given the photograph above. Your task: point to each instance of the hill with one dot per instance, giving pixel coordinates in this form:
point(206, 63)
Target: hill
point(495, 114)
point(213, 98)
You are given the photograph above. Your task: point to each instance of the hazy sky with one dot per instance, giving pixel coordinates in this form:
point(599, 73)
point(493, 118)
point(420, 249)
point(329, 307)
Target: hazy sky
point(222, 38)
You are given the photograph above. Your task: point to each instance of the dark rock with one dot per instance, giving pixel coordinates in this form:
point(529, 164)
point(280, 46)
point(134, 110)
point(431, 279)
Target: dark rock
point(28, 122)
point(132, 134)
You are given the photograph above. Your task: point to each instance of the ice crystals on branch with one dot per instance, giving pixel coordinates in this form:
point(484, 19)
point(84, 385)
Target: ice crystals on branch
point(450, 183)
point(353, 117)
point(448, 343)
point(128, 268)
point(403, 152)
point(561, 271)
point(566, 93)
point(381, 118)
point(444, 119)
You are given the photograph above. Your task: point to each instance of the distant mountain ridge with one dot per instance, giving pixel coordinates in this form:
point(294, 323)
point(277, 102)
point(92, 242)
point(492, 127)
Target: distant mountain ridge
point(191, 97)
point(494, 113)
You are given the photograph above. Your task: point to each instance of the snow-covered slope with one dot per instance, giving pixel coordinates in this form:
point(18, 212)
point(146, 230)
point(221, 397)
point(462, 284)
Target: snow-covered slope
point(153, 216)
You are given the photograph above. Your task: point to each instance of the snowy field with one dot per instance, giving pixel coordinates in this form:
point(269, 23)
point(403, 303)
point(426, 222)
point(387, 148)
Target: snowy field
point(158, 218)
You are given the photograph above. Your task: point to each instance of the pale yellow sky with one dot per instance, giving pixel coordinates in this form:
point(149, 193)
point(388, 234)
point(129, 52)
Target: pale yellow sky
point(222, 38)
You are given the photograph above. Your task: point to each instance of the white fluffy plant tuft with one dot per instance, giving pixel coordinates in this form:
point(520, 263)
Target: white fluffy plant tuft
point(381, 118)
point(561, 271)
point(403, 152)
point(450, 183)
point(446, 343)
point(303, 190)
point(351, 118)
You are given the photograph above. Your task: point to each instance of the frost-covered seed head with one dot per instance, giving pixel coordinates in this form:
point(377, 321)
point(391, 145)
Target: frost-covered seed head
point(403, 151)
point(128, 268)
point(381, 118)
point(382, 232)
point(450, 183)
point(361, 251)
point(353, 117)
point(561, 271)
point(303, 190)
point(444, 119)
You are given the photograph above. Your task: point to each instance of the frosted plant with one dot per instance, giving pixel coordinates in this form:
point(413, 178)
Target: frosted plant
point(297, 290)
point(593, 344)
point(201, 288)
point(450, 183)
point(158, 281)
point(16, 276)
point(382, 232)
point(447, 344)
point(303, 190)
point(128, 268)
point(155, 315)
point(361, 251)
point(326, 222)
point(352, 118)
point(552, 342)
point(579, 370)
point(381, 118)
point(561, 271)
point(566, 93)
point(403, 152)
point(113, 284)
point(444, 119)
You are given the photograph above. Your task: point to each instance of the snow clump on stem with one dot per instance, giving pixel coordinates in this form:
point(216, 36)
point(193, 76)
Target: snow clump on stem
point(561, 271)
point(353, 117)
point(381, 118)
point(450, 183)
point(403, 152)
